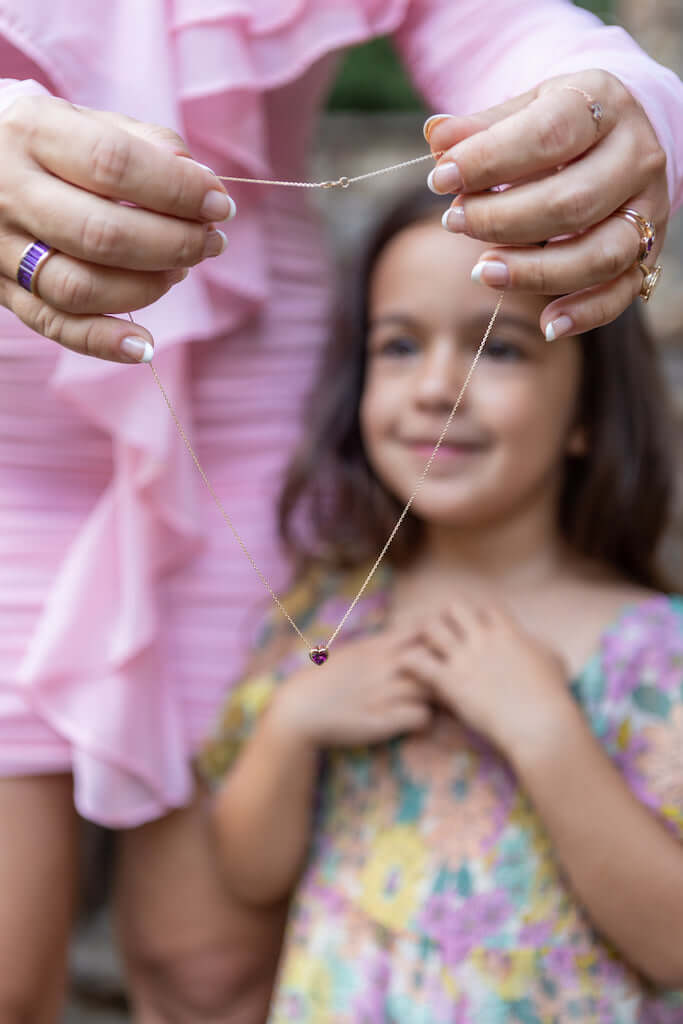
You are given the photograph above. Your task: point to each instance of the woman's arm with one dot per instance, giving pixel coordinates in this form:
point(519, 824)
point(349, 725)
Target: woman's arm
point(464, 60)
point(626, 868)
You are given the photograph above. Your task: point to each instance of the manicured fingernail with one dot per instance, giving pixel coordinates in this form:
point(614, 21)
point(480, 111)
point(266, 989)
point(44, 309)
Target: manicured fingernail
point(445, 177)
point(137, 349)
point(556, 328)
point(431, 123)
point(218, 206)
point(204, 167)
point(491, 272)
point(215, 243)
point(454, 219)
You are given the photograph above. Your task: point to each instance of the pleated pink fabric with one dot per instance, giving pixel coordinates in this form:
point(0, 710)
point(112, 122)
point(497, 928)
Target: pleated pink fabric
point(125, 605)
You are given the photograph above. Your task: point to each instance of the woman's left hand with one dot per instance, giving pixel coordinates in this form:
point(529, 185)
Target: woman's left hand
point(484, 668)
point(573, 151)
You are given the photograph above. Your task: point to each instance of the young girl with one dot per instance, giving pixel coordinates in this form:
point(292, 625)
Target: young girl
point(493, 831)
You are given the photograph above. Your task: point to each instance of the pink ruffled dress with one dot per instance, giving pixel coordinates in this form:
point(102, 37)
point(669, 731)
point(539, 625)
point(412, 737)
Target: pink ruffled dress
point(125, 604)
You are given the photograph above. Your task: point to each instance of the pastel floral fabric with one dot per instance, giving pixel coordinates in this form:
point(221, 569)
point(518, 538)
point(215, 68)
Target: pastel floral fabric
point(431, 894)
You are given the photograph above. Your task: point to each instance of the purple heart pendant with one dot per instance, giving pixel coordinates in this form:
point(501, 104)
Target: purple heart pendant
point(319, 655)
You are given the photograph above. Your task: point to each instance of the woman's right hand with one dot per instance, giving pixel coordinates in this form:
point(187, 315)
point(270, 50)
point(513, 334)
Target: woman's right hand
point(362, 695)
point(71, 177)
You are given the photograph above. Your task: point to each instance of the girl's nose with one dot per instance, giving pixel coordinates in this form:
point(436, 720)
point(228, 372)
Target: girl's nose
point(442, 375)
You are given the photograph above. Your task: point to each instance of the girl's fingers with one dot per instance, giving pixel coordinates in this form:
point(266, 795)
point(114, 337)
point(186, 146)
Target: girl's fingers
point(602, 254)
point(103, 337)
point(93, 151)
point(553, 127)
point(582, 311)
point(440, 638)
point(73, 286)
point(464, 617)
point(411, 716)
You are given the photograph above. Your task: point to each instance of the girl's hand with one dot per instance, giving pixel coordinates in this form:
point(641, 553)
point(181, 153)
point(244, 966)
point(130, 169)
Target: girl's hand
point(124, 213)
point(484, 668)
point(571, 167)
point(361, 695)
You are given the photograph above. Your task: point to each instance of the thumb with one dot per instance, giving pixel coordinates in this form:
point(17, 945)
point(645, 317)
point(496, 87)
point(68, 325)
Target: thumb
point(445, 130)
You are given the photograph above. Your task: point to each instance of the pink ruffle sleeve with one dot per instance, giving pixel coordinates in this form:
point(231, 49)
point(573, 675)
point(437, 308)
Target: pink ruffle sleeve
point(466, 57)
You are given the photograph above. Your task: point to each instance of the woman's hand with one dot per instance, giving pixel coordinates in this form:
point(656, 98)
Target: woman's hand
point(361, 695)
point(485, 669)
point(71, 177)
point(570, 166)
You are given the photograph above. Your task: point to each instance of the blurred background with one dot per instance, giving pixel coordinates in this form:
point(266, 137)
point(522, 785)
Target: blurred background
point(373, 119)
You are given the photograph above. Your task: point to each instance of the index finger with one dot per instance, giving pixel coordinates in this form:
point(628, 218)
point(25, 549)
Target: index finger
point(549, 129)
point(95, 153)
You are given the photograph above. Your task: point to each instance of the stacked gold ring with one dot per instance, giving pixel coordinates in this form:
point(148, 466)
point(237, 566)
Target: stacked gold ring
point(645, 228)
point(651, 276)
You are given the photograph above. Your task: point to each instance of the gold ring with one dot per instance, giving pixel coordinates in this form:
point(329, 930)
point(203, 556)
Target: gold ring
point(594, 107)
point(645, 228)
point(651, 278)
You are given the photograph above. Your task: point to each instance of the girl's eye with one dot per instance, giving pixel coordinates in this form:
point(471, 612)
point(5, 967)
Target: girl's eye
point(503, 351)
point(398, 346)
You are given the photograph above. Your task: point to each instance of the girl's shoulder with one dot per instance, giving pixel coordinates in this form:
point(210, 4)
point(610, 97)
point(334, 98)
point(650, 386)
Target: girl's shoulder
point(641, 647)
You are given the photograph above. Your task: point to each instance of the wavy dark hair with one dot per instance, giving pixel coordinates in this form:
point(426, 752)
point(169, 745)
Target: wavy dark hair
point(615, 502)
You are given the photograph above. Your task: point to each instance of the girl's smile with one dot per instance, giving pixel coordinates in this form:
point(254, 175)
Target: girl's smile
point(514, 425)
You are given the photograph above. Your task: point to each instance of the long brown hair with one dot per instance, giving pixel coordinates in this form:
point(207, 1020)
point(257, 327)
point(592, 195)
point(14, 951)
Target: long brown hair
point(616, 500)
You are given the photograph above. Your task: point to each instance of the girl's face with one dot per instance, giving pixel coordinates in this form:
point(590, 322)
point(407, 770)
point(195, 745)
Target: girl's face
point(506, 445)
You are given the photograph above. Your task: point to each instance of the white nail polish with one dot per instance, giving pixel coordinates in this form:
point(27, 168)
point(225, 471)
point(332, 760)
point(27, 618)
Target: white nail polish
point(477, 270)
point(430, 122)
point(550, 332)
point(204, 167)
point(444, 218)
point(138, 349)
point(233, 209)
point(224, 238)
point(430, 182)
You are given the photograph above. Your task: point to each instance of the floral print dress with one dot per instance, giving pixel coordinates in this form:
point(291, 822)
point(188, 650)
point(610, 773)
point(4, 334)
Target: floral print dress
point(432, 894)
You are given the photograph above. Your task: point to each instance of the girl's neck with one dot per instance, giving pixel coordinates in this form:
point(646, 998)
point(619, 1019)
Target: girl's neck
point(524, 551)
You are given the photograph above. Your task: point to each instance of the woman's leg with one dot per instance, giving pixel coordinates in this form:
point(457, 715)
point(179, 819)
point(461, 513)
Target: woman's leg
point(39, 836)
point(193, 956)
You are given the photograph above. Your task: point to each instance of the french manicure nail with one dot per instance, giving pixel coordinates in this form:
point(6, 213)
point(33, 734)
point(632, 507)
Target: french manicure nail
point(556, 328)
point(218, 206)
point(137, 349)
point(431, 123)
point(445, 177)
point(215, 243)
point(491, 272)
point(204, 167)
point(454, 219)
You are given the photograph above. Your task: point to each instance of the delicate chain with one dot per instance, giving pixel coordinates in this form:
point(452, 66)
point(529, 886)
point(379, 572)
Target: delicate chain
point(322, 653)
point(412, 497)
point(218, 502)
point(342, 182)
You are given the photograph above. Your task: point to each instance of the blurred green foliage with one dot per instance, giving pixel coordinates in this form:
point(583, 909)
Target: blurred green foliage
point(371, 76)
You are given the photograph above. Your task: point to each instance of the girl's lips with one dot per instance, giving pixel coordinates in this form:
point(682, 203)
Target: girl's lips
point(446, 450)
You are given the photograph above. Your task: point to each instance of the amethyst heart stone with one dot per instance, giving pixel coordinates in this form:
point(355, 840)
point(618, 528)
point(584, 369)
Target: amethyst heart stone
point(319, 655)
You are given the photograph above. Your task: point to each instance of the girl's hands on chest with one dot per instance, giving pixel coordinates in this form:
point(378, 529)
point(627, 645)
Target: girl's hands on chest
point(487, 670)
point(362, 695)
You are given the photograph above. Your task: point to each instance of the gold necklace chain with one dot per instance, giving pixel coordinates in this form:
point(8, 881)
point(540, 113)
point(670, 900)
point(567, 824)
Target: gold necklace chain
point(319, 653)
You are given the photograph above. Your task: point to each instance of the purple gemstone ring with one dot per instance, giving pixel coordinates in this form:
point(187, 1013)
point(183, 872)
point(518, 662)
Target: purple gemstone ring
point(645, 228)
point(32, 259)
